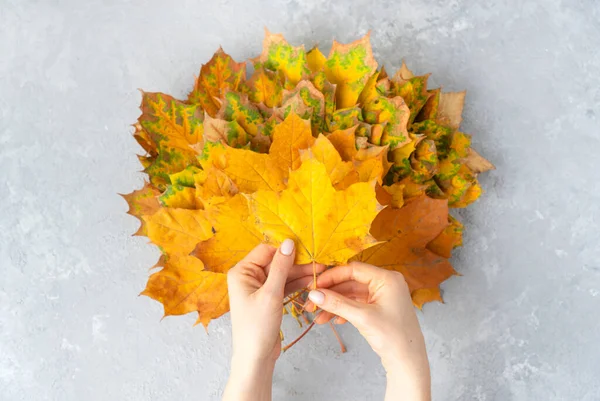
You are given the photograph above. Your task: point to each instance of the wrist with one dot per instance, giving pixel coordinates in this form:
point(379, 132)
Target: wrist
point(249, 380)
point(242, 365)
point(411, 378)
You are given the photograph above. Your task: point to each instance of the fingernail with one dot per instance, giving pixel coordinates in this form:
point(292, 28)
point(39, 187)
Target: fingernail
point(287, 247)
point(317, 297)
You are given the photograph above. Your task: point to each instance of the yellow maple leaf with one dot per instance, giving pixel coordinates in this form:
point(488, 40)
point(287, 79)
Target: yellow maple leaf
point(337, 169)
point(344, 142)
point(328, 226)
point(250, 171)
point(234, 235)
point(178, 196)
point(178, 230)
point(315, 59)
point(289, 137)
point(212, 182)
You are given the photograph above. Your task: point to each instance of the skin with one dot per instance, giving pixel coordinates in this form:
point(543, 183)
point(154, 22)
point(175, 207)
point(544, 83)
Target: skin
point(376, 301)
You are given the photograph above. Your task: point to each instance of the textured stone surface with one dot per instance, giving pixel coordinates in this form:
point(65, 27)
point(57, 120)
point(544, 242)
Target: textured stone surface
point(521, 324)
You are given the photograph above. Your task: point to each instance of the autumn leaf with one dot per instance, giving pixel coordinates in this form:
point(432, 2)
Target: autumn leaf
point(173, 127)
point(306, 101)
point(264, 87)
point(344, 142)
point(371, 163)
point(328, 226)
point(211, 182)
point(392, 195)
point(289, 137)
point(185, 177)
point(337, 169)
point(235, 234)
point(279, 55)
point(236, 107)
point(413, 90)
point(349, 67)
point(448, 239)
point(226, 132)
point(178, 230)
point(216, 77)
point(249, 171)
point(179, 196)
point(315, 59)
point(404, 234)
point(423, 295)
point(183, 286)
point(142, 202)
point(476, 163)
point(450, 108)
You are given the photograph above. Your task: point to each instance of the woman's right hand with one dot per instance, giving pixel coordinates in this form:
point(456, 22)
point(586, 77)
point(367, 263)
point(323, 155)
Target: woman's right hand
point(378, 303)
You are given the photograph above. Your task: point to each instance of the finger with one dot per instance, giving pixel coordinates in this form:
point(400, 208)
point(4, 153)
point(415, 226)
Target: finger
point(296, 285)
point(339, 320)
point(355, 271)
point(261, 255)
point(305, 270)
point(245, 278)
point(280, 267)
point(338, 304)
point(351, 289)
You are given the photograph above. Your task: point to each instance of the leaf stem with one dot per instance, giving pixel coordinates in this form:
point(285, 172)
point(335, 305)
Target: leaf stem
point(298, 295)
point(337, 336)
point(290, 345)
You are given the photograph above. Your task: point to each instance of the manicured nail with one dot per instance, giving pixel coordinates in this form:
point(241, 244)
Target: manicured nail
point(287, 247)
point(317, 297)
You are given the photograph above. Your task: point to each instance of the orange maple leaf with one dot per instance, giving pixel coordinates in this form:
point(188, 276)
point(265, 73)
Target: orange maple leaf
point(183, 286)
point(405, 233)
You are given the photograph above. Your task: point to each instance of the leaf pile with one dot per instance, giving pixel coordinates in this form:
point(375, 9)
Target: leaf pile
point(330, 151)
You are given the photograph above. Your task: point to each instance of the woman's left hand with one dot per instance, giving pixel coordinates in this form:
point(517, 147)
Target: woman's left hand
point(257, 287)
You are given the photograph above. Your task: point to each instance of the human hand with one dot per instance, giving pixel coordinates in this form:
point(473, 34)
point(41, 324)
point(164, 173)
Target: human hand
point(257, 286)
point(378, 303)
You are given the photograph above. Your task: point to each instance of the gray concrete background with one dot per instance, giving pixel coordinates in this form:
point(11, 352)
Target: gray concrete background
point(521, 324)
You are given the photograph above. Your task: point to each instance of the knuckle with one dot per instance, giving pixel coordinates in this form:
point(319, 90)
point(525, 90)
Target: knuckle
point(397, 278)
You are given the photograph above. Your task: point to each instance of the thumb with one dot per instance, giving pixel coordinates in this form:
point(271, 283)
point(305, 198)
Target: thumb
point(280, 267)
point(339, 305)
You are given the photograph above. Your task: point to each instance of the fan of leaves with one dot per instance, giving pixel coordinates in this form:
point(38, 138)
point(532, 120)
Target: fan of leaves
point(329, 151)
